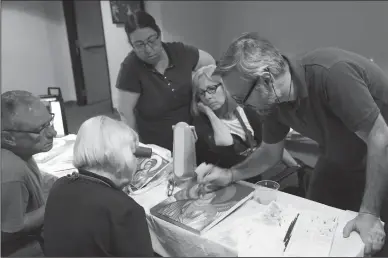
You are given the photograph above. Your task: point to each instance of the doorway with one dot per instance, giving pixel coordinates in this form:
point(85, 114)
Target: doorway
point(88, 51)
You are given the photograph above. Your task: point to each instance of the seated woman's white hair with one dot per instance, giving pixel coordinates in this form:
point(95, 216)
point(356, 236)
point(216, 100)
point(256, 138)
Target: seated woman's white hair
point(106, 145)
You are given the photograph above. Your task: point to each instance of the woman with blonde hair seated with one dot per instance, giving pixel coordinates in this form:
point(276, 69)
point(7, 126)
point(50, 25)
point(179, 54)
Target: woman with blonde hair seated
point(88, 213)
point(227, 133)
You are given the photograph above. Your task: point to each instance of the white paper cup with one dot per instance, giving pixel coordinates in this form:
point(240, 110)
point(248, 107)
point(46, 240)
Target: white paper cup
point(266, 191)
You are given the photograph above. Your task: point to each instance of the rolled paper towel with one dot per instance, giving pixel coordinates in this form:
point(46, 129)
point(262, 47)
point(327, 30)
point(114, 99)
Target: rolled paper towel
point(184, 156)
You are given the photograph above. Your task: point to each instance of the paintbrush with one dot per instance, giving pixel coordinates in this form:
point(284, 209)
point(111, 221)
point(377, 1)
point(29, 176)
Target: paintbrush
point(288, 235)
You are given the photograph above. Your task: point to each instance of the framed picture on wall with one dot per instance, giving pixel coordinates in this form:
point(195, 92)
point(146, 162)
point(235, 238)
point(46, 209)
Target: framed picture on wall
point(121, 9)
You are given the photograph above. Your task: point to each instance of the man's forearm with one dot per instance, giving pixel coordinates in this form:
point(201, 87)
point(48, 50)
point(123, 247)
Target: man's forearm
point(34, 219)
point(257, 163)
point(376, 177)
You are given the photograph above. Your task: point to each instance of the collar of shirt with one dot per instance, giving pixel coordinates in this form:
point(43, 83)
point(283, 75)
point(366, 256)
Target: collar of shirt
point(100, 179)
point(298, 76)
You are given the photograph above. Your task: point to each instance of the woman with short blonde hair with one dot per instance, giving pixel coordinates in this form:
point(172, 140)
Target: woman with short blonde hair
point(88, 213)
point(227, 133)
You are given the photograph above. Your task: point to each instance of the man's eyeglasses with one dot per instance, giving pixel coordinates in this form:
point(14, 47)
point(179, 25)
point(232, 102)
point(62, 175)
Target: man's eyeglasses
point(210, 89)
point(141, 45)
point(242, 101)
point(40, 130)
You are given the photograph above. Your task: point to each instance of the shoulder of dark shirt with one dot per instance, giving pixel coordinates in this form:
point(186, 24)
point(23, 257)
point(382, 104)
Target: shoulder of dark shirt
point(330, 56)
point(113, 197)
point(178, 50)
point(174, 45)
point(13, 168)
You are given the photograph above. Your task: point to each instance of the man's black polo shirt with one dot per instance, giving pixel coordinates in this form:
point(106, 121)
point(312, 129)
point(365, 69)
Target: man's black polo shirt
point(164, 98)
point(339, 93)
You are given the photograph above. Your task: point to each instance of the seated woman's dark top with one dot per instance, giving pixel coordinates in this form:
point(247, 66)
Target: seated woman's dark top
point(223, 156)
point(87, 215)
point(164, 98)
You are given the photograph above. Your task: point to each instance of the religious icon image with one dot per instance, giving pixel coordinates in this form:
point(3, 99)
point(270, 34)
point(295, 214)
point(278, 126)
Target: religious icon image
point(122, 9)
point(198, 212)
point(147, 169)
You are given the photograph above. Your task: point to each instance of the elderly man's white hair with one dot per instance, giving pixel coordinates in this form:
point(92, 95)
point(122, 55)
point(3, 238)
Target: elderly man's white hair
point(10, 101)
point(105, 144)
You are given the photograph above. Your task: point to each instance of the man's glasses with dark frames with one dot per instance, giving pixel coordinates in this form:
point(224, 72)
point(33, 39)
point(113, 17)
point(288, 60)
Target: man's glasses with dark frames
point(242, 101)
point(43, 128)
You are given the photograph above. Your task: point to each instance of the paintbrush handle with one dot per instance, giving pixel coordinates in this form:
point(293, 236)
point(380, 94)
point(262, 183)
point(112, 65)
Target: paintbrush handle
point(289, 232)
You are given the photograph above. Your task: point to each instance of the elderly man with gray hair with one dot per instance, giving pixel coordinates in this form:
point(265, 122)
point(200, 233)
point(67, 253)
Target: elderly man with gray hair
point(88, 213)
point(26, 129)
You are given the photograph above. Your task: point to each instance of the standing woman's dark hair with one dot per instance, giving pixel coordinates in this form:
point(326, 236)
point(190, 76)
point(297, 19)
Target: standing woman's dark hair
point(139, 20)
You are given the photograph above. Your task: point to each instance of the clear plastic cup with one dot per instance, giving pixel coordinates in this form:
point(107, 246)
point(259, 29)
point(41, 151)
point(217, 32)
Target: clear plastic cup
point(266, 191)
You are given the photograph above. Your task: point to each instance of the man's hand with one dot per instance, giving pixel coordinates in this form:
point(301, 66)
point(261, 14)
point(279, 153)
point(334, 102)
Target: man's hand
point(210, 174)
point(371, 231)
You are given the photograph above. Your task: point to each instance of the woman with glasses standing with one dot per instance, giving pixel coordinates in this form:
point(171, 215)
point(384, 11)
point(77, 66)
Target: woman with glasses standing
point(154, 81)
point(227, 133)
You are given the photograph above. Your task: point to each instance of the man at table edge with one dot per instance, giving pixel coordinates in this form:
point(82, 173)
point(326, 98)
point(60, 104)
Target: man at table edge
point(345, 86)
point(26, 129)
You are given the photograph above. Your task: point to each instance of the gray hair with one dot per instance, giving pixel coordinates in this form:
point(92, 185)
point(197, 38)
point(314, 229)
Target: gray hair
point(103, 142)
point(251, 55)
point(10, 101)
point(203, 75)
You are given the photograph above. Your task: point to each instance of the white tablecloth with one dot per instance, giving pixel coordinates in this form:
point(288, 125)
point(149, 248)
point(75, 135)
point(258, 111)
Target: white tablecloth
point(171, 240)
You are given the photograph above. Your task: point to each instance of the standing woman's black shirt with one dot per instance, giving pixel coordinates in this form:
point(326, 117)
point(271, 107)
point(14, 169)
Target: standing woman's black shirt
point(164, 98)
point(89, 216)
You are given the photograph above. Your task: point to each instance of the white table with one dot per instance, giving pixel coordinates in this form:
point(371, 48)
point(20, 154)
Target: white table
point(171, 240)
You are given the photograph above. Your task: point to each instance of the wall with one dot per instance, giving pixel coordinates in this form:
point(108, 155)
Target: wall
point(116, 44)
point(192, 22)
point(179, 21)
point(35, 54)
point(295, 27)
point(34, 48)
point(59, 49)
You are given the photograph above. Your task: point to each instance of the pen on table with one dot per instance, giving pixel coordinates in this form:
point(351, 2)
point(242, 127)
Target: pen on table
point(289, 232)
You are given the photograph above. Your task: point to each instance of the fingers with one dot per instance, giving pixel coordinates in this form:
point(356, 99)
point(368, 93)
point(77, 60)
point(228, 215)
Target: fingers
point(378, 240)
point(376, 246)
point(202, 170)
point(349, 227)
point(209, 179)
point(370, 230)
point(201, 106)
point(374, 242)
